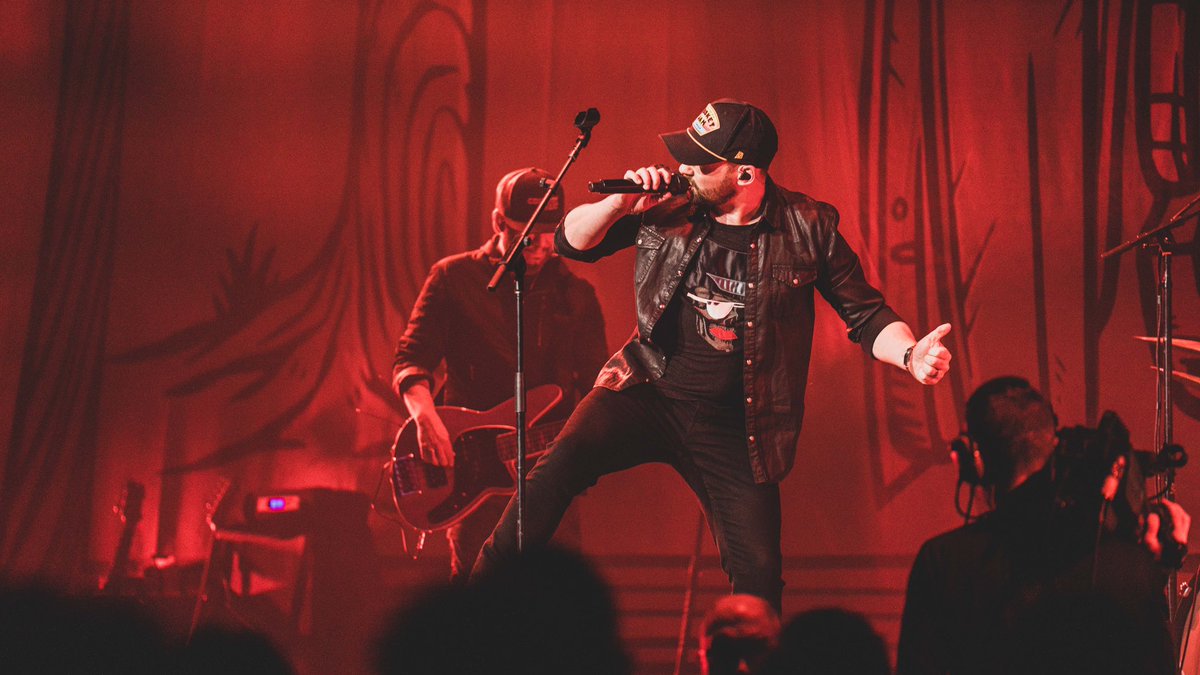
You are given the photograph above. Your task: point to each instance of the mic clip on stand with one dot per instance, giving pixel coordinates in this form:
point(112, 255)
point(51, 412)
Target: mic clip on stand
point(1161, 240)
point(514, 262)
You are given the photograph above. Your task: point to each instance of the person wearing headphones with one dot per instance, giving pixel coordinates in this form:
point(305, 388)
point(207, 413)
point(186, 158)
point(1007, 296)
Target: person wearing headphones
point(1046, 581)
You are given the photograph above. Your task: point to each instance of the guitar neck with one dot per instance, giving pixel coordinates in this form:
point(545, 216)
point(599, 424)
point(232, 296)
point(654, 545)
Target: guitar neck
point(536, 440)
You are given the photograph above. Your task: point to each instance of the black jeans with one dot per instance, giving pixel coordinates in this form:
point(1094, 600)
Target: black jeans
point(615, 430)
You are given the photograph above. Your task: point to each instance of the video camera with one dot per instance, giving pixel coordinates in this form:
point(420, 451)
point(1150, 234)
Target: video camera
point(1098, 470)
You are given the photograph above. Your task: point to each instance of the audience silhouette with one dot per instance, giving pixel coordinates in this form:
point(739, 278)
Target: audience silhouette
point(828, 641)
point(545, 611)
point(736, 634)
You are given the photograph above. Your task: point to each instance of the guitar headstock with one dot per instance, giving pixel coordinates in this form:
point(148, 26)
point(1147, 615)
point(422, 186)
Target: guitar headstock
point(213, 505)
point(129, 509)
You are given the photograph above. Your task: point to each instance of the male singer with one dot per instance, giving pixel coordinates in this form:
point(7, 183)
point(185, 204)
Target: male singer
point(713, 380)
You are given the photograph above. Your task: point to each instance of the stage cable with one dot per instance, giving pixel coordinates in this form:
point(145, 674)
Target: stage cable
point(965, 513)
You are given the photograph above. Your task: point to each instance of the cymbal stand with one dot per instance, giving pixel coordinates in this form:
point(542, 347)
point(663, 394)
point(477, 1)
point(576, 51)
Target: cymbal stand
point(1161, 240)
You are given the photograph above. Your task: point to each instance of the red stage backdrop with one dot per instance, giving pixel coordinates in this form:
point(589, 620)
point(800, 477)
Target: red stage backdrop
point(219, 214)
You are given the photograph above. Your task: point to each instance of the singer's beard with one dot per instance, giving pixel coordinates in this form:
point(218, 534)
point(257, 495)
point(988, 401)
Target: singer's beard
point(715, 195)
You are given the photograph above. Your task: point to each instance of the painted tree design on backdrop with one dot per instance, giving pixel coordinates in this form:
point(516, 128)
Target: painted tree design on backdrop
point(910, 223)
point(910, 220)
point(413, 182)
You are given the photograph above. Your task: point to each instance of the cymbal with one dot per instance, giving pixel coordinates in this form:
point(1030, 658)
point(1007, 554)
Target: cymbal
point(1186, 377)
point(1189, 345)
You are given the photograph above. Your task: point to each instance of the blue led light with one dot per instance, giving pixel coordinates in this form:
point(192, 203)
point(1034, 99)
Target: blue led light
point(275, 504)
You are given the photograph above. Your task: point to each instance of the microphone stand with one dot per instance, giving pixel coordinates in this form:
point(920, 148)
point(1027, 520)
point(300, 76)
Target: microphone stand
point(514, 262)
point(1161, 240)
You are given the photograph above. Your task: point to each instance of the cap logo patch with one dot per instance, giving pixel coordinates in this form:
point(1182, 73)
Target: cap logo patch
point(739, 155)
point(551, 204)
point(707, 121)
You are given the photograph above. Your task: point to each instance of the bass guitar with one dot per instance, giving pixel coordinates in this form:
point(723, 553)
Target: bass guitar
point(430, 497)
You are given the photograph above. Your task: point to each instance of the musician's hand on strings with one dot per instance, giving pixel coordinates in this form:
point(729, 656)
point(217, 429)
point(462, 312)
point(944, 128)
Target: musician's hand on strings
point(433, 439)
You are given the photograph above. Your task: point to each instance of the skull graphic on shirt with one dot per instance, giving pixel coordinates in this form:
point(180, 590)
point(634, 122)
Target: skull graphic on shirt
point(719, 311)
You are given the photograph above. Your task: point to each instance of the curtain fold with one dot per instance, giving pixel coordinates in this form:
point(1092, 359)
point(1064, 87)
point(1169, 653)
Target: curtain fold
point(46, 495)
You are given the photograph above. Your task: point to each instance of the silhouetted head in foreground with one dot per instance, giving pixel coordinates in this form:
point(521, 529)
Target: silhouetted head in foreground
point(545, 611)
point(45, 632)
point(736, 634)
point(828, 642)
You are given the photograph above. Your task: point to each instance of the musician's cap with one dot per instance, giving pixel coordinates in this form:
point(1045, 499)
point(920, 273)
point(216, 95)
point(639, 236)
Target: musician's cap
point(725, 131)
point(519, 193)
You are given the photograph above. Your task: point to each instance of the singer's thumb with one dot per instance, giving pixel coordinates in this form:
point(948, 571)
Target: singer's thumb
point(939, 332)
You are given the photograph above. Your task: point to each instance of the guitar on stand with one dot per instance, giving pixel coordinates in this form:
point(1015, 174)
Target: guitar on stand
point(129, 509)
point(431, 498)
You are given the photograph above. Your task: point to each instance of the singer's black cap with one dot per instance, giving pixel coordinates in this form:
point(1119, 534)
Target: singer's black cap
point(725, 131)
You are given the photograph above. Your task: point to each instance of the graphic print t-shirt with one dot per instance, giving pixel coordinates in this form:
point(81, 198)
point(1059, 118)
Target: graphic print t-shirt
point(703, 328)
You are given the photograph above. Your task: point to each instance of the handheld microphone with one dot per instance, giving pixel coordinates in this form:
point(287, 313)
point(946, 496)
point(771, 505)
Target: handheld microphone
point(677, 185)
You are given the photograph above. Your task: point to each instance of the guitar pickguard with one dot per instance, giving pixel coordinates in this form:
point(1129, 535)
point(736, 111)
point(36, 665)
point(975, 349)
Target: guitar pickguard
point(476, 470)
point(430, 497)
